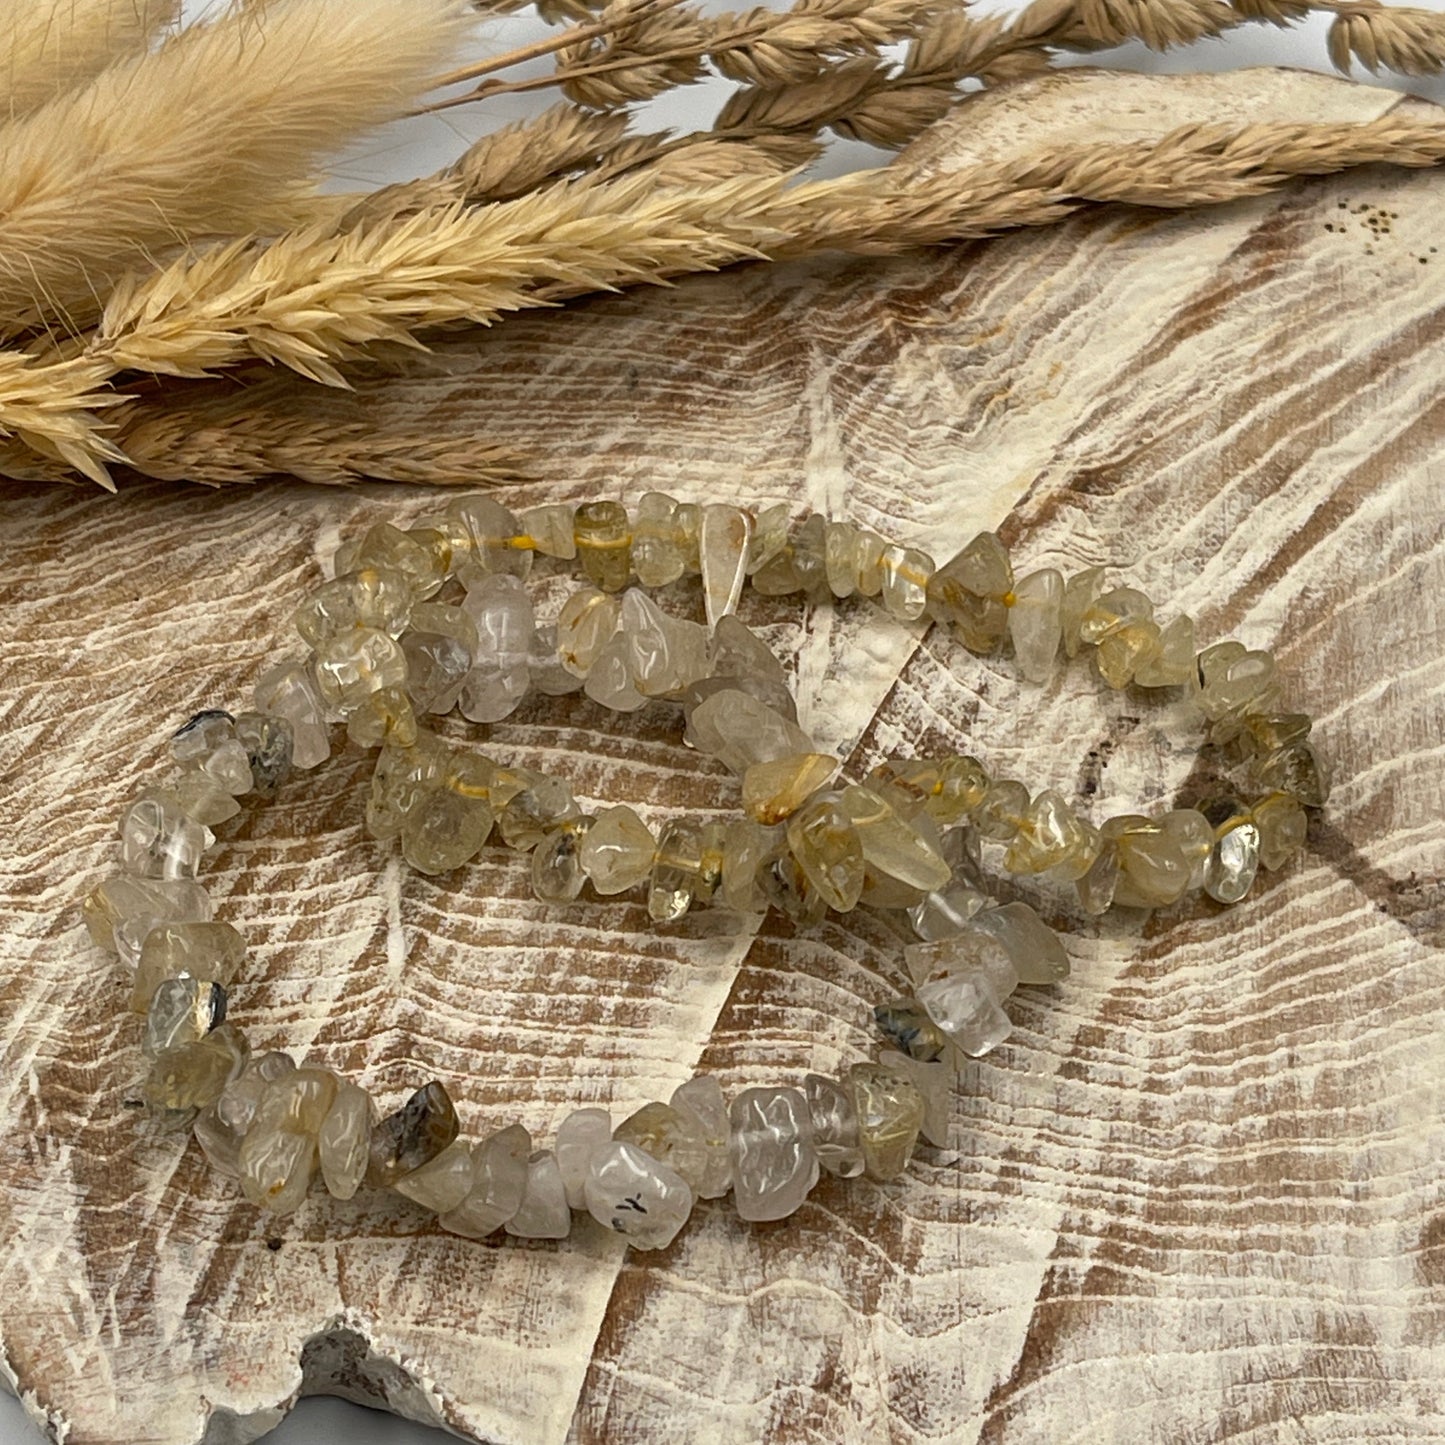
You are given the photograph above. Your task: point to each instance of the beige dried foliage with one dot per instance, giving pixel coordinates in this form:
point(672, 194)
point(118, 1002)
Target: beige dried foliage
point(50, 46)
point(51, 409)
point(645, 52)
point(1160, 24)
point(105, 176)
point(520, 157)
point(1407, 41)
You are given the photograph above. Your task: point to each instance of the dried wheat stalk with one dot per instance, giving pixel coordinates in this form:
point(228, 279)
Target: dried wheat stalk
point(51, 46)
point(103, 177)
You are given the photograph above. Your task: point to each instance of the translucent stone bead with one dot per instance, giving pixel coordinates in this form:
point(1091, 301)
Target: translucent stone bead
point(299, 1100)
point(222, 1124)
point(1003, 811)
point(966, 594)
point(1051, 835)
point(201, 734)
point(438, 544)
point(701, 1100)
point(269, 743)
point(604, 544)
point(442, 1184)
point(770, 536)
point(1036, 623)
point(616, 852)
point(228, 766)
point(1282, 825)
point(773, 790)
point(388, 548)
point(1035, 950)
point(446, 621)
point(908, 783)
point(1173, 662)
point(182, 1011)
point(355, 663)
point(890, 845)
point(1123, 652)
point(669, 1136)
point(966, 1007)
point(906, 573)
point(740, 659)
point(747, 847)
point(809, 555)
point(788, 887)
point(276, 1168)
point(444, 831)
point(774, 1162)
point(198, 797)
point(945, 911)
point(121, 911)
point(637, 1196)
point(1298, 771)
point(1111, 611)
point(414, 1135)
point(657, 554)
point(344, 1139)
point(557, 872)
point(934, 1082)
point(1232, 683)
point(536, 810)
point(675, 870)
point(549, 677)
point(974, 949)
point(585, 625)
point(499, 1180)
point(501, 666)
point(1191, 832)
point(905, 1023)
point(543, 1212)
point(1233, 861)
point(834, 1122)
point(1153, 870)
point(437, 667)
point(157, 840)
point(401, 779)
point(384, 719)
point(779, 575)
point(373, 597)
point(722, 554)
point(287, 691)
point(550, 528)
point(738, 730)
point(829, 850)
point(212, 952)
point(840, 558)
point(579, 1136)
point(890, 1114)
point(1268, 732)
point(193, 1075)
point(663, 654)
point(445, 536)
point(610, 683)
point(490, 530)
point(1080, 593)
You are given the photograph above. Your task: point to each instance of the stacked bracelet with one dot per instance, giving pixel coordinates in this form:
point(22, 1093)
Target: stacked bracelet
point(438, 617)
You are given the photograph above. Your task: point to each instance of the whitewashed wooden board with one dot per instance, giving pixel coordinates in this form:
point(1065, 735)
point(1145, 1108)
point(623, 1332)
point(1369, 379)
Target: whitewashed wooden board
point(1195, 1197)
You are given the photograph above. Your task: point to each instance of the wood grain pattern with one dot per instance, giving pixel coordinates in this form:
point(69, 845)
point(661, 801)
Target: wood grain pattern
point(1195, 1197)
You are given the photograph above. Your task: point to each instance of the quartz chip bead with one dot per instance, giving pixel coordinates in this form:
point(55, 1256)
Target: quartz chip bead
point(827, 846)
point(1050, 835)
point(543, 1212)
point(1153, 870)
point(442, 1184)
point(549, 677)
point(739, 659)
point(535, 810)
point(193, 1075)
point(491, 531)
point(278, 1156)
point(1192, 834)
point(610, 682)
point(1036, 623)
point(585, 626)
point(657, 553)
point(222, 1124)
point(905, 1023)
point(834, 1122)
point(356, 663)
point(636, 1195)
point(1234, 859)
point(444, 830)
point(670, 1136)
point(288, 691)
point(1080, 592)
point(498, 1183)
point(385, 717)
point(1296, 770)
point(772, 790)
point(906, 573)
point(1173, 663)
point(1034, 949)
point(201, 734)
point(344, 1140)
point(701, 1100)
point(676, 869)
point(891, 845)
point(269, 743)
point(209, 951)
point(557, 872)
point(1003, 811)
point(414, 1135)
point(604, 544)
point(550, 528)
point(374, 597)
point(617, 851)
point(120, 912)
point(968, 594)
point(401, 779)
point(1282, 825)
point(934, 1082)
point(889, 1111)
point(662, 654)
point(157, 839)
point(502, 665)
point(436, 667)
point(770, 536)
point(773, 1158)
point(723, 554)
point(748, 848)
point(738, 730)
point(182, 1011)
point(579, 1136)
point(388, 548)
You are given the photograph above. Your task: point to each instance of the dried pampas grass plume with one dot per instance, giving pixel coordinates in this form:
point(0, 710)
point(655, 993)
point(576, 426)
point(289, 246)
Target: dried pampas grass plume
point(49, 46)
point(215, 133)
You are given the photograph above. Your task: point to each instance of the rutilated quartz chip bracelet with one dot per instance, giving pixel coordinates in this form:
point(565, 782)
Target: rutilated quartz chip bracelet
point(436, 617)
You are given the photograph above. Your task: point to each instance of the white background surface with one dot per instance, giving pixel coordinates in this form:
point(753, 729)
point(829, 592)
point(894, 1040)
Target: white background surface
point(419, 146)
